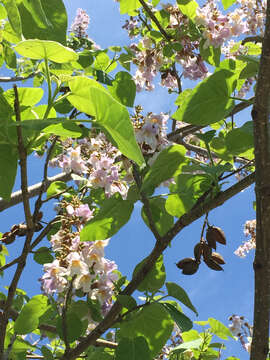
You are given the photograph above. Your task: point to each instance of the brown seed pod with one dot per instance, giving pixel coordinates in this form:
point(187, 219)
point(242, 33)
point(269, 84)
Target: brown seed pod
point(215, 233)
point(8, 238)
point(218, 258)
point(212, 264)
point(38, 227)
point(211, 241)
point(198, 251)
point(188, 265)
point(182, 263)
point(207, 251)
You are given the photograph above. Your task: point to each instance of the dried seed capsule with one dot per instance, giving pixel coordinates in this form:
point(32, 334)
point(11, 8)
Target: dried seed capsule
point(211, 239)
point(207, 251)
point(215, 234)
point(212, 264)
point(8, 238)
point(188, 265)
point(182, 263)
point(218, 258)
point(198, 251)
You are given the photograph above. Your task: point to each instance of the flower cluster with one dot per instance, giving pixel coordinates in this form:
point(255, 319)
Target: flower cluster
point(219, 28)
point(80, 264)
point(150, 132)
point(241, 328)
point(80, 24)
point(96, 159)
point(249, 230)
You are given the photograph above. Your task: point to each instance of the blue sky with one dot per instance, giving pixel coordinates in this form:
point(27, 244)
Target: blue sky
point(215, 294)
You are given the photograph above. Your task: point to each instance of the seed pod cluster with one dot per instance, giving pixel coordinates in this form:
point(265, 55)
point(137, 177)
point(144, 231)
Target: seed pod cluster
point(18, 230)
point(204, 250)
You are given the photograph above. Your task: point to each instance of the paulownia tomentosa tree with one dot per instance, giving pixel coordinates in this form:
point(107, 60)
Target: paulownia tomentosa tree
point(116, 155)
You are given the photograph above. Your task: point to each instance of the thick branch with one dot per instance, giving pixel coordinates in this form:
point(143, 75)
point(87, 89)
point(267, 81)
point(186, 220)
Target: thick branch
point(261, 126)
point(195, 213)
point(33, 190)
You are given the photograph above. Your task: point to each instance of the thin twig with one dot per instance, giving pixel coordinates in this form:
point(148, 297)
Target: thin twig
point(38, 202)
point(155, 20)
point(256, 39)
point(64, 314)
point(19, 78)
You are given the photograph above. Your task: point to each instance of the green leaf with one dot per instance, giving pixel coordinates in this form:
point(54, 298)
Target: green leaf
point(123, 88)
point(43, 256)
point(37, 12)
point(91, 98)
point(9, 56)
point(95, 309)
point(189, 188)
point(153, 323)
point(220, 330)
point(161, 218)
point(27, 96)
point(64, 130)
point(13, 16)
point(188, 8)
point(155, 279)
point(94, 353)
point(132, 349)
point(165, 166)
point(182, 96)
point(114, 213)
point(3, 12)
point(129, 6)
point(194, 344)
point(45, 49)
point(127, 301)
point(8, 161)
point(210, 54)
point(28, 318)
point(55, 188)
point(238, 141)
point(227, 3)
point(209, 101)
point(163, 18)
point(48, 355)
point(179, 293)
point(182, 321)
point(74, 327)
point(51, 17)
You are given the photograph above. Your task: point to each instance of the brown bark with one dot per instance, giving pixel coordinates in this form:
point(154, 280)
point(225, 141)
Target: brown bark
point(260, 115)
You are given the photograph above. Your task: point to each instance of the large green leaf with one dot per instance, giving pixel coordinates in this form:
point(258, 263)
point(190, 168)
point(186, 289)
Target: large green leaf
point(188, 189)
point(132, 349)
point(129, 6)
point(91, 98)
point(74, 327)
point(161, 218)
point(8, 164)
point(155, 279)
point(240, 140)
point(209, 101)
point(114, 213)
point(188, 8)
point(27, 96)
point(219, 329)
point(167, 164)
point(43, 19)
point(42, 49)
point(179, 293)
point(153, 323)
point(28, 318)
point(182, 321)
point(123, 88)
point(36, 10)
point(13, 16)
point(194, 344)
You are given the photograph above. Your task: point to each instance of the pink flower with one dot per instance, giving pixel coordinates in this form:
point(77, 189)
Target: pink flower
point(84, 212)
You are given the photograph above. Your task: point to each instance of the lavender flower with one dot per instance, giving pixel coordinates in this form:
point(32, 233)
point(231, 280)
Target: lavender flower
point(80, 24)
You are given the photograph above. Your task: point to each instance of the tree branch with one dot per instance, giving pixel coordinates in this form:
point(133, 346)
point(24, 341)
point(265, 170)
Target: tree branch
point(261, 127)
point(19, 78)
point(155, 20)
point(33, 190)
point(195, 213)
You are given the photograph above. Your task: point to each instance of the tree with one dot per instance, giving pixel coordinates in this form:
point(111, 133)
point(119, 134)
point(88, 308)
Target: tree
point(113, 155)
